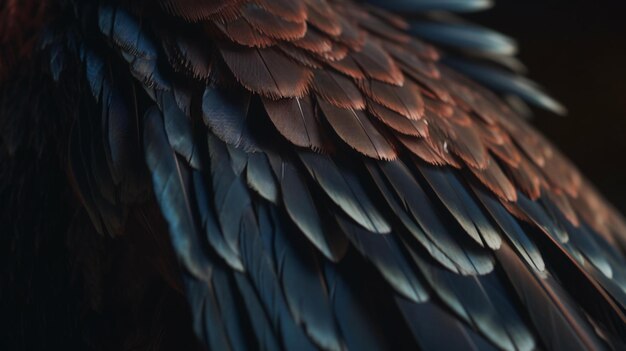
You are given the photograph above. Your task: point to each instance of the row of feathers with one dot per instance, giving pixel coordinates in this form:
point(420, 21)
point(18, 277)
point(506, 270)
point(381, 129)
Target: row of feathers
point(331, 181)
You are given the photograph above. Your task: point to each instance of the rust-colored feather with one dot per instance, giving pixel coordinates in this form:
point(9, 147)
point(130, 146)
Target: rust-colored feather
point(295, 120)
point(290, 10)
point(399, 123)
point(241, 32)
point(337, 89)
point(273, 25)
point(355, 129)
point(495, 180)
point(377, 64)
point(405, 100)
point(267, 71)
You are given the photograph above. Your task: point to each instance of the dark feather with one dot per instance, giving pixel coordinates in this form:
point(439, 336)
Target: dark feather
point(346, 191)
point(305, 291)
point(385, 253)
point(462, 205)
point(171, 187)
point(337, 90)
point(295, 120)
point(426, 321)
point(405, 100)
point(267, 72)
point(226, 113)
point(273, 26)
point(557, 321)
point(415, 210)
point(303, 211)
point(357, 131)
point(377, 64)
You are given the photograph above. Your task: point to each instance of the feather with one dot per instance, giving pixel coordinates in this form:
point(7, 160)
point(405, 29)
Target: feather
point(405, 100)
point(377, 64)
point(273, 26)
point(354, 128)
point(494, 178)
point(557, 321)
point(261, 323)
point(303, 211)
point(508, 83)
point(433, 5)
point(241, 32)
point(94, 66)
point(188, 55)
point(427, 321)
point(417, 128)
point(323, 17)
point(267, 72)
point(516, 235)
point(303, 285)
point(349, 67)
point(210, 225)
point(295, 120)
point(413, 207)
point(359, 329)
point(384, 252)
point(479, 301)
point(230, 194)
point(294, 11)
point(462, 205)
point(345, 190)
point(207, 322)
point(314, 42)
point(126, 33)
point(226, 113)
point(540, 218)
point(179, 130)
point(260, 177)
point(195, 10)
point(169, 178)
point(264, 279)
point(466, 37)
point(337, 90)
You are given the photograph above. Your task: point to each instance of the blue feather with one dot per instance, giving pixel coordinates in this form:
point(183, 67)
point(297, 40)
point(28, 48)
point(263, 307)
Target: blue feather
point(169, 179)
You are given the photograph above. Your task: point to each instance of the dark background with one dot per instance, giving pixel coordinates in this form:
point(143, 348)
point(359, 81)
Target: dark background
point(577, 51)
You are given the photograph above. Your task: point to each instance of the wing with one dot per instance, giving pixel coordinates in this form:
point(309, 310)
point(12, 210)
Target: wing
point(330, 179)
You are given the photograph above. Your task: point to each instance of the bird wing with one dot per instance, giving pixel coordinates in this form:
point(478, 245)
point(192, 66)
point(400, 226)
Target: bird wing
point(333, 176)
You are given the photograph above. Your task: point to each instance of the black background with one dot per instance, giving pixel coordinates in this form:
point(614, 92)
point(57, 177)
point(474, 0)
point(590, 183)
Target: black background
point(577, 51)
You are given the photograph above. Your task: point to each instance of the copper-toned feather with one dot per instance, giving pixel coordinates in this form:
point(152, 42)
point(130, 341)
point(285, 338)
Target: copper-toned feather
point(356, 130)
point(299, 56)
point(241, 32)
point(323, 17)
point(273, 26)
point(377, 64)
point(267, 71)
point(349, 67)
point(337, 89)
point(195, 10)
point(422, 149)
point(494, 178)
point(294, 11)
point(526, 178)
point(314, 42)
point(405, 100)
point(398, 122)
point(295, 120)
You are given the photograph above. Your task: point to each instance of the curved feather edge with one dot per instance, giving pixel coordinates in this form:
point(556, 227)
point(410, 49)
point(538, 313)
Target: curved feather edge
point(171, 186)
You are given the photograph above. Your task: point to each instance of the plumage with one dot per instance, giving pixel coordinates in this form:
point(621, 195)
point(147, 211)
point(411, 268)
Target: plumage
point(289, 174)
point(295, 119)
point(355, 129)
point(267, 72)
